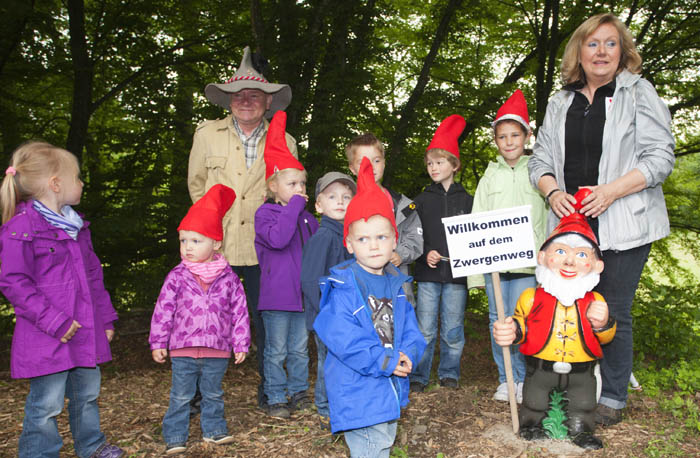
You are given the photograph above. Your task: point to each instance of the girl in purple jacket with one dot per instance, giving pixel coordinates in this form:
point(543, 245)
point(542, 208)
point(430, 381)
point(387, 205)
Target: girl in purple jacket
point(201, 317)
point(64, 316)
point(282, 227)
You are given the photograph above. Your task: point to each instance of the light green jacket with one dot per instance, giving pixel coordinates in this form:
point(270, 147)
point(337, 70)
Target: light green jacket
point(505, 187)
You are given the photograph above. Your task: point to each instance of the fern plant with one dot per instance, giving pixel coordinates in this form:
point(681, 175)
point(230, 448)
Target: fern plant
point(553, 424)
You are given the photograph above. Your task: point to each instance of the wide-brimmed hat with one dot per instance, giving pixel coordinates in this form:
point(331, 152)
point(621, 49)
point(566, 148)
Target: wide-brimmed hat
point(246, 77)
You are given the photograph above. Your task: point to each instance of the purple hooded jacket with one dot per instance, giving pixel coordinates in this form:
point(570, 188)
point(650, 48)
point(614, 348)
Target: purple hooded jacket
point(280, 233)
point(185, 316)
point(51, 280)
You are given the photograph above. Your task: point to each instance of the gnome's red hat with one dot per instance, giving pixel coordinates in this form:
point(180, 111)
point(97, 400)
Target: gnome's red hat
point(514, 109)
point(370, 200)
point(575, 223)
point(277, 156)
point(447, 134)
point(206, 214)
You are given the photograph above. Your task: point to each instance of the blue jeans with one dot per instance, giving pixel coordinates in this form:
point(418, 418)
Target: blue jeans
point(512, 286)
point(618, 285)
point(44, 403)
point(450, 300)
point(371, 442)
point(187, 374)
point(285, 340)
point(320, 396)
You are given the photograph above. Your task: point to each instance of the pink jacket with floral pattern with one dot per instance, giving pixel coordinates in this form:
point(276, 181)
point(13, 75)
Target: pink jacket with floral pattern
point(186, 316)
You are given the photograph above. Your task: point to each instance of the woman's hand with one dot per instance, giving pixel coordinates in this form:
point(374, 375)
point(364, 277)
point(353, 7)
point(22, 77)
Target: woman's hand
point(600, 198)
point(562, 203)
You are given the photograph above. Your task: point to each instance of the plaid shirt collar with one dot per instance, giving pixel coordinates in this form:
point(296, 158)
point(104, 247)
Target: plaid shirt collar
point(250, 143)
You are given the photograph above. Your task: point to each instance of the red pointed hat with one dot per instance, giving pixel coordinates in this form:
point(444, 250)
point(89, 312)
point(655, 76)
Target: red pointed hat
point(277, 156)
point(447, 134)
point(370, 200)
point(206, 214)
point(515, 109)
point(575, 223)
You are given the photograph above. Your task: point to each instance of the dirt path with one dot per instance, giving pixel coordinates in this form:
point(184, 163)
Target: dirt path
point(455, 423)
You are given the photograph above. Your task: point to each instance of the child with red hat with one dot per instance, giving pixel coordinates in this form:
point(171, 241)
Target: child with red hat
point(368, 325)
point(506, 184)
point(439, 294)
point(560, 327)
point(200, 317)
point(282, 227)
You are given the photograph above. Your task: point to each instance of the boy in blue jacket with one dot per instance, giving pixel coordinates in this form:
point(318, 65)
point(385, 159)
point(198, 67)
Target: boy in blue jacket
point(369, 327)
point(323, 250)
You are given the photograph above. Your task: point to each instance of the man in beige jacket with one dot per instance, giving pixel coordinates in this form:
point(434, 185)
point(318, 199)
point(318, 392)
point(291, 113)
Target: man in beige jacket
point(229, 151)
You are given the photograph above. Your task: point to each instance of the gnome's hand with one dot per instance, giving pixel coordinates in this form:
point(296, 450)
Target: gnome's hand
point(504, 332)
point(597, 314)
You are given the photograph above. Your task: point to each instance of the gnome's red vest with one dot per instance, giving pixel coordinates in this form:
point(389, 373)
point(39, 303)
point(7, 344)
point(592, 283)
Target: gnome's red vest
point(540, 320)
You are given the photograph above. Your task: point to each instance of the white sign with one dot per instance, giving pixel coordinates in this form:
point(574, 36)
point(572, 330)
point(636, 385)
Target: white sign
point(491, 241)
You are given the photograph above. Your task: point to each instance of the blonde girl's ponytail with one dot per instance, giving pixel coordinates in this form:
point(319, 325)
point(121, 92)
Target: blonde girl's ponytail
point(31, 165)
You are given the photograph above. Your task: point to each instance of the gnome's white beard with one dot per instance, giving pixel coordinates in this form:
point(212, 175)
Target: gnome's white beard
point(566, 291)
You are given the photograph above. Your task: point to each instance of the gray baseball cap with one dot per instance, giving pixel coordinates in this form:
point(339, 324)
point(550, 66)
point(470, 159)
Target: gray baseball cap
point(330, 178)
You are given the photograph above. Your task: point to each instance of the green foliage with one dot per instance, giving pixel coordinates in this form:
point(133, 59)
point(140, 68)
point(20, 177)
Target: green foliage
point(553, 423)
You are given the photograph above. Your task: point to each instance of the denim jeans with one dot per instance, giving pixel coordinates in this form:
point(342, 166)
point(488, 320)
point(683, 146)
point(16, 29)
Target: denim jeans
point(40, 437)
point(448, 300)
point(320, 396)
point(286, 337)
point(618, 285)
point(512, 286)
point(371, 442)
point(187, 373)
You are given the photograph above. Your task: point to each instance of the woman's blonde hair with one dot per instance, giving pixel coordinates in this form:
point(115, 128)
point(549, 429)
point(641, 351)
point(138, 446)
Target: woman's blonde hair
point(33, 163)
point(571, 70)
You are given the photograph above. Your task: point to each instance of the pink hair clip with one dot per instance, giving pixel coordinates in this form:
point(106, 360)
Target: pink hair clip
point(11, 171)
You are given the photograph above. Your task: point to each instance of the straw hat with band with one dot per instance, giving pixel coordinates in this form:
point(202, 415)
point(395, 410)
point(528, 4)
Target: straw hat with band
point(246, 77)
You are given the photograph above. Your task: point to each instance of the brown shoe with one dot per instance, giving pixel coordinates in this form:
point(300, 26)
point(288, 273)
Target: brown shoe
point(607, 416)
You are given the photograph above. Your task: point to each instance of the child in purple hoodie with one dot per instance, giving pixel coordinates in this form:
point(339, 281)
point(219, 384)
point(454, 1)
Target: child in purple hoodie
point(201, 317)
point(282, 227)
point(53, 279)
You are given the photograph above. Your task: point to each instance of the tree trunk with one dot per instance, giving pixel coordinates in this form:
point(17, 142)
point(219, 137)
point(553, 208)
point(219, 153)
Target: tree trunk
point(82, 79)
point(398, 140)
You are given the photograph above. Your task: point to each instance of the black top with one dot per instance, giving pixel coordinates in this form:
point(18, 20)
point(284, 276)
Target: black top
point(433, 204)
point(583, 141)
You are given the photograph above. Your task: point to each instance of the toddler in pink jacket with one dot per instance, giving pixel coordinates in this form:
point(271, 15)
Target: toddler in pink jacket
point(201, 317)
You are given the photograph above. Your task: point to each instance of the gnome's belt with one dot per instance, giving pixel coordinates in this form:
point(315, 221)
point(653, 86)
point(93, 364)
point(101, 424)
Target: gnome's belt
point(558, 366)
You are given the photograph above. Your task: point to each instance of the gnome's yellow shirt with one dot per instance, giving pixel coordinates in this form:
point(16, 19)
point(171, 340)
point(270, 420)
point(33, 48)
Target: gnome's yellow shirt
point(565, 342)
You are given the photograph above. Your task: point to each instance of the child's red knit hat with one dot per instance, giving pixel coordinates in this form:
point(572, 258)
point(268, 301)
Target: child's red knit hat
point(206, 214)
point(514, 109)
point(277, 156)
point(447, 134)
point(370, 200)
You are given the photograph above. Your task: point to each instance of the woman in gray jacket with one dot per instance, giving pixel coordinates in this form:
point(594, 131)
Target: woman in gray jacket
point(609, 131)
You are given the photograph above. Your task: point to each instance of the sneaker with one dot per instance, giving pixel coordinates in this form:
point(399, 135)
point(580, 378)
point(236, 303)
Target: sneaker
point(519, 392)
point(416, 387)
point(501, 393)
point(299, 401)
point(219, 439)
point(108, 451)
point(175, 449)
point(607, 416)
point(278, 411)
point(449, 383)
